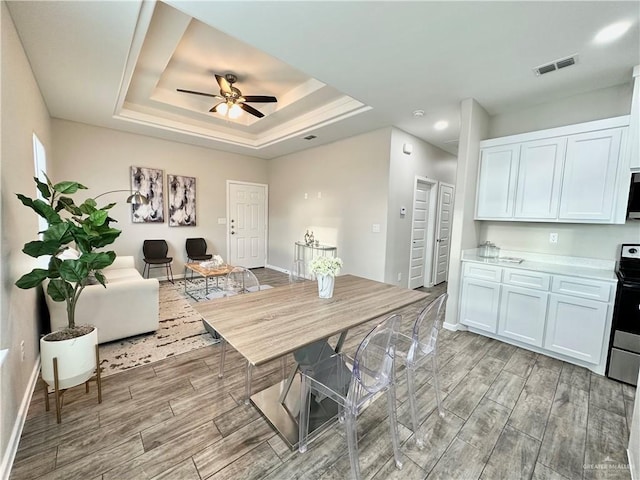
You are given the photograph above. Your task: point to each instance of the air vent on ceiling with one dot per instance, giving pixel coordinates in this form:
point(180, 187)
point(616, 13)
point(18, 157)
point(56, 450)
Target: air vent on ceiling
point(309, 137)
point(556, 65)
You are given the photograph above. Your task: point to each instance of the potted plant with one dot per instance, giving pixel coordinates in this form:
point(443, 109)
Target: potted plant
point(86, 226)
point(325, 269)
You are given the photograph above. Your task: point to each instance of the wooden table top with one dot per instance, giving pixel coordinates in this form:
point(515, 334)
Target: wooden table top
point(268, 324)
point(209, 272)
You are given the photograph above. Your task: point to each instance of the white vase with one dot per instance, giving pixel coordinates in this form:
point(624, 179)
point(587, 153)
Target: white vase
point(325, 285)
point(76, 359)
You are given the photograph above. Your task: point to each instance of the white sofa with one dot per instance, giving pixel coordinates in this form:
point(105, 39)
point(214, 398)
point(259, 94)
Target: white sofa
point(127, 307)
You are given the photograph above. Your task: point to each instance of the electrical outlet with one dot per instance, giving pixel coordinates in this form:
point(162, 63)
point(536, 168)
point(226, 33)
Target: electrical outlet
point(375, 228)
point(306, 196)
point(22, 351)
point(553, 237)
point(319, 194)
point(400, 276)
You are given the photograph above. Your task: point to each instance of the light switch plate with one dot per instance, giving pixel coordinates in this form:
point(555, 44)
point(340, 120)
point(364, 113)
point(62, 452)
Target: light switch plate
point(375, 228)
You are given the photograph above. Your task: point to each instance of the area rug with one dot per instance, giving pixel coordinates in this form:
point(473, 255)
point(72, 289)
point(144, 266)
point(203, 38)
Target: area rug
point(181, 330)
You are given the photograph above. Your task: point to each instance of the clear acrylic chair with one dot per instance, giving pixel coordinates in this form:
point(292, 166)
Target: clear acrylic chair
point(241, 280)
point(420, 348)
point(353, 390)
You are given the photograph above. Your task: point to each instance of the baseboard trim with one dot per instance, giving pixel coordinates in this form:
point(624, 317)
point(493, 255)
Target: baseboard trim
point(278, 269)
point(454, 327)
point(12, 446)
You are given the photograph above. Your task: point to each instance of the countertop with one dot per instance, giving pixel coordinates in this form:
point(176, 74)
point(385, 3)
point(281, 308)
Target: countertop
point(583, 267)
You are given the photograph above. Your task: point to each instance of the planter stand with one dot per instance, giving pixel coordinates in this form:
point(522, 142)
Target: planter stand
point(59, 393)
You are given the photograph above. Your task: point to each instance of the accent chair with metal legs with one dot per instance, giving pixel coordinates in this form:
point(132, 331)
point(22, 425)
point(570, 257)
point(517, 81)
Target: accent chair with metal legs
point(155, 256)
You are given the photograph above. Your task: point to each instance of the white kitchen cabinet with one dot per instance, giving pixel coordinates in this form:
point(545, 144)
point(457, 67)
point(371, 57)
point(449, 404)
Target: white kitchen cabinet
point(540, 178)
point(573, 174)
point(479, 305)
point(576, 327)
point(497, 179)
point(544, 310)
point(523, 313)
point(634, 123)
point(589, 179)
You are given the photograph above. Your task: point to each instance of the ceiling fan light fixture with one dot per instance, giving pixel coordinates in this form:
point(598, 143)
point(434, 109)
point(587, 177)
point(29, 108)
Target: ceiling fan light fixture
point(222, 109)
point(235, 111)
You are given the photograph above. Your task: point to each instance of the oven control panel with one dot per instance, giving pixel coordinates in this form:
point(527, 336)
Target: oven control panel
point(630, 251)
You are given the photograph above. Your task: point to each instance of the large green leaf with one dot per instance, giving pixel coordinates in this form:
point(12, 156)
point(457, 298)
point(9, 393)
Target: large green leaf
point(68, 187)
point(74, 271)
point(58, 232)
point(43, 188)
point(98, 260)
point(100, 277)
point(59, 290)
point(38, 248)
point(33, 278)
point(69, 205)
point(98, 218)
point(105, 238)
point(41, 208)
point(54, 266)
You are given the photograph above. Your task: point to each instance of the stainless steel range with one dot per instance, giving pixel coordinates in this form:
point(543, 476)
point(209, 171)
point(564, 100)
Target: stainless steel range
point(624, 351)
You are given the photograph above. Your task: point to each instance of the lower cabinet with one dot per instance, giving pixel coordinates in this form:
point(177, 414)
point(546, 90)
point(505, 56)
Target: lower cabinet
point(523, 313)
point(480, 302)
point(569, 316)
point(576, 327)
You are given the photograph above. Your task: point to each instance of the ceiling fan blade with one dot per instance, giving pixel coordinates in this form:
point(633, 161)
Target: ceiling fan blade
point(259, 98)
point(251, 110)
point(213, 109)
point(198, 93)
point(224, 85)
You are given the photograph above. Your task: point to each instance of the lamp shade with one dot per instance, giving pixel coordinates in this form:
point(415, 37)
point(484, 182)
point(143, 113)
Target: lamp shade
point(137, 199)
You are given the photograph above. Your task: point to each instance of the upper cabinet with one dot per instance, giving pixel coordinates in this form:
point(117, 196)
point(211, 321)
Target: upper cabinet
point(497, 181)
point(590, 167)
point(573, 174)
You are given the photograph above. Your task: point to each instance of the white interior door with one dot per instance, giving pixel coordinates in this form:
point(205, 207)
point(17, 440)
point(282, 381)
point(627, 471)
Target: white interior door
point(247, 224)
point(419, 234)
point(443, 233)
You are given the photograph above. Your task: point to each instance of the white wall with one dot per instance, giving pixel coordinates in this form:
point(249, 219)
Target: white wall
point(426, 161)
point(595, 105)
point(101, 158)
point(474, 125)
point(352, 177)
point(597, 241)
point(23, 112)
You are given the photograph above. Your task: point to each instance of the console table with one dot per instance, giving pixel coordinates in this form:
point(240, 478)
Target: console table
point(303, 254)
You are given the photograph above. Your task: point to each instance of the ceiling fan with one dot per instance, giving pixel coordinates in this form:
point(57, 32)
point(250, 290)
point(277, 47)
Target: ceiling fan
point(232, 101)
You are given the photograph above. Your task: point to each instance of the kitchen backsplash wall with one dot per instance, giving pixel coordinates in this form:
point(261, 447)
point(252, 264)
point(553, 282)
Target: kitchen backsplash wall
point(579, 240)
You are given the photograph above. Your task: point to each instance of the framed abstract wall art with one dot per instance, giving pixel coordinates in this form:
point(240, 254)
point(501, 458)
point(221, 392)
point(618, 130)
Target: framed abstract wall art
point(149, 182)
point(182, 201)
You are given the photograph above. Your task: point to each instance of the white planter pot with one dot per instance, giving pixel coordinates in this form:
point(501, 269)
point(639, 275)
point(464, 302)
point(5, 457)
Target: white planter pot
point(76, 359)
point(325, 285)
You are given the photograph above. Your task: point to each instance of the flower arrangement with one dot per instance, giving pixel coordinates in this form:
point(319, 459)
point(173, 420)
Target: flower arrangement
point(325, 266)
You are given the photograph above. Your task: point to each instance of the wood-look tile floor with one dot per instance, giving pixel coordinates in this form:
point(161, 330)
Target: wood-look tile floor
point(510, 414)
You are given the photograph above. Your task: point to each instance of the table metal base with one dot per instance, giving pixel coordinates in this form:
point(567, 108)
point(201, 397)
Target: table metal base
point(284, 416)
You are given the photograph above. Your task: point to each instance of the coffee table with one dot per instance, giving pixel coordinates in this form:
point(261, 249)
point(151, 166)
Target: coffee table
point(207, 273)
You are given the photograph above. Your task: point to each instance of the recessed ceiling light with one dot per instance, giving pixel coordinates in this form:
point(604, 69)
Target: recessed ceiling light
point(418, 113)
point(441, 125)
point(612, 32)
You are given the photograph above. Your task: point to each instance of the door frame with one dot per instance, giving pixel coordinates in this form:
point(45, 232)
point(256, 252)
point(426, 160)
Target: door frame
point(437, 225)
point(429, 234)
point(266, 216)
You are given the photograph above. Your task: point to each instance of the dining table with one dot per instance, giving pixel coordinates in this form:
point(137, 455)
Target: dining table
point(266, 325)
